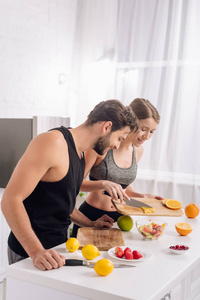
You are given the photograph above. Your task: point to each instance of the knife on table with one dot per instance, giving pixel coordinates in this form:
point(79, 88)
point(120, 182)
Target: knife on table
point(132, 202)
point(79, 262)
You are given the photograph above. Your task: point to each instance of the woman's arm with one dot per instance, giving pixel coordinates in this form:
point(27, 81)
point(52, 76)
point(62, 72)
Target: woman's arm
point(132, 192)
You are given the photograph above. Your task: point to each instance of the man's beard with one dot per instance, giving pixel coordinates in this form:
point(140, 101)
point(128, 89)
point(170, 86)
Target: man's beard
point(102, 144)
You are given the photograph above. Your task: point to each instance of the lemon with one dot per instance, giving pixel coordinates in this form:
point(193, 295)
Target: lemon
point(90, 251)
point(103, 267)
point(125, 223)
point(72, 244)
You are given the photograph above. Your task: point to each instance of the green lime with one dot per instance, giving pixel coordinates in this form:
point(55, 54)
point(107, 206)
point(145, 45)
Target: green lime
point(125, 223)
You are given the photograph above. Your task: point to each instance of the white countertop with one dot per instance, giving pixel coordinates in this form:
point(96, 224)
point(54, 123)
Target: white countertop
point(149, 280)
point(1, 192)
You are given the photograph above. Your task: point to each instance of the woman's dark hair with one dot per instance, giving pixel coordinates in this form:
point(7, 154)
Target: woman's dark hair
point(144, 109)
point(114, 111)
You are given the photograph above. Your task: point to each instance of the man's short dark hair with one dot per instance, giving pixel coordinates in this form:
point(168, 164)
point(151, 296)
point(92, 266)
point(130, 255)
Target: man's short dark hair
point(114, 111)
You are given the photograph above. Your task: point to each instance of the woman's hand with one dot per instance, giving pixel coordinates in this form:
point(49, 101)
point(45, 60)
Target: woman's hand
point(115, 190)
point(153, 196)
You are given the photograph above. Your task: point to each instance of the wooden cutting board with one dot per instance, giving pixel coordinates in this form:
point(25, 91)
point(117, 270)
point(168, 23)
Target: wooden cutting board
point(102, 238)
point(161, 209)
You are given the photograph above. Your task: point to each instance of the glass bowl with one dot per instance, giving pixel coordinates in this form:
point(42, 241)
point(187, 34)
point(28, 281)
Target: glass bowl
point(151, 229)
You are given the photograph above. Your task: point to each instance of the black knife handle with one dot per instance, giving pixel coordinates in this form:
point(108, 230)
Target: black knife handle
point(73, 262)
point(106, 193)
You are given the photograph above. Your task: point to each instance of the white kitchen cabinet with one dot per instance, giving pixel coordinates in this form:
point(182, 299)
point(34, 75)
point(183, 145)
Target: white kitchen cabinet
point(153, 279)
point(188, 288)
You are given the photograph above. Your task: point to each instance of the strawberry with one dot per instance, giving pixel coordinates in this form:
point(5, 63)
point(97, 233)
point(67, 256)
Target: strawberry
point(118, 248)
point(127, 249)
point(146, 229)
point(119, 253)
point(136, 254)
point(157, 234)
point(128, 254)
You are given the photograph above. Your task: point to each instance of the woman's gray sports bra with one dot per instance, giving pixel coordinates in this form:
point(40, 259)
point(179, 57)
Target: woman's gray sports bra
point(108, 170)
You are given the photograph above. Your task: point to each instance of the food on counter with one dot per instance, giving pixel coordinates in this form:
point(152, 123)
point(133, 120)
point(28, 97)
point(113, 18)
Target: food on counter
point(104, 267)
point(191, 210)
point(125, 223)
point(183, 228)
point(152, 230)
point(136, 254)
point(127, 249)
point(90, 251)
point(127, 253)
point(118, 248)
point(119, 252)
point(172, 204)
point(72, 244)
point(179, 247)
point(148, 210)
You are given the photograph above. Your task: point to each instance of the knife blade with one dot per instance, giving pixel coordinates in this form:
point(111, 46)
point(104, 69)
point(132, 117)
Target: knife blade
point(79, 262)
point(132, 202)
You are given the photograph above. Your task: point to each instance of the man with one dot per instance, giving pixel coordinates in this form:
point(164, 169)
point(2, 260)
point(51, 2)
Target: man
point(39, 200)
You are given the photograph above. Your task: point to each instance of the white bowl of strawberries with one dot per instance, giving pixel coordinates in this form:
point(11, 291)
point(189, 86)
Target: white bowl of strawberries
point(129, 253)
point(151, 229)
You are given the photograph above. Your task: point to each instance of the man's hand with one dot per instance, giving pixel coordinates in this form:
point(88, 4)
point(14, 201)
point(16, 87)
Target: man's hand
point(48, 259)
point(104, 221)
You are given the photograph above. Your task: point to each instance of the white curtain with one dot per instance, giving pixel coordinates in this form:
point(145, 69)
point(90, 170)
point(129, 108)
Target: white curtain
point(151, 49)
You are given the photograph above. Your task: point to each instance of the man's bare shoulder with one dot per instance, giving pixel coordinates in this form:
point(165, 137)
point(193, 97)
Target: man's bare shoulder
point(49, 145)
point(52, 138)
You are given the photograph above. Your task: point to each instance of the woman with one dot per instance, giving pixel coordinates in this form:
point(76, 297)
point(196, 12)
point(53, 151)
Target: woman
point(117, 169)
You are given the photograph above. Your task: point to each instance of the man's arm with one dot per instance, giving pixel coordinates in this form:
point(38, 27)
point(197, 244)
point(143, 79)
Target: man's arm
point(81, 220)
point(36, 163)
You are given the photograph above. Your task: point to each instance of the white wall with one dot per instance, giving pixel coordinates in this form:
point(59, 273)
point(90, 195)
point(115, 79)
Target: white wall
point(36, 46)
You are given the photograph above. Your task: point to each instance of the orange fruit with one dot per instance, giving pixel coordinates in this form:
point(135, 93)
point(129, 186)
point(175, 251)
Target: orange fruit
point(173, 204)
point(164, 201)
point(191, 210)
point(183, 228)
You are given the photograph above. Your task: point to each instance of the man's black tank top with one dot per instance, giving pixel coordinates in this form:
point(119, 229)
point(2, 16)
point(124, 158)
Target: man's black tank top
point(50, 204)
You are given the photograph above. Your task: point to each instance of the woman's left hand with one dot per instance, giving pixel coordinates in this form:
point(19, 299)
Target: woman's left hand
point(153, 196)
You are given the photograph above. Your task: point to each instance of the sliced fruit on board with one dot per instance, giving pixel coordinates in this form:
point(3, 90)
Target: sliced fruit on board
point(173, 204)
point(148, 210)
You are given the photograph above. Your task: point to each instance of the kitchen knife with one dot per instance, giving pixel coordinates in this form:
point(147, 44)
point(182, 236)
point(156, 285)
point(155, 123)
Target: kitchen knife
point(132, 202)
point(79, 262)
